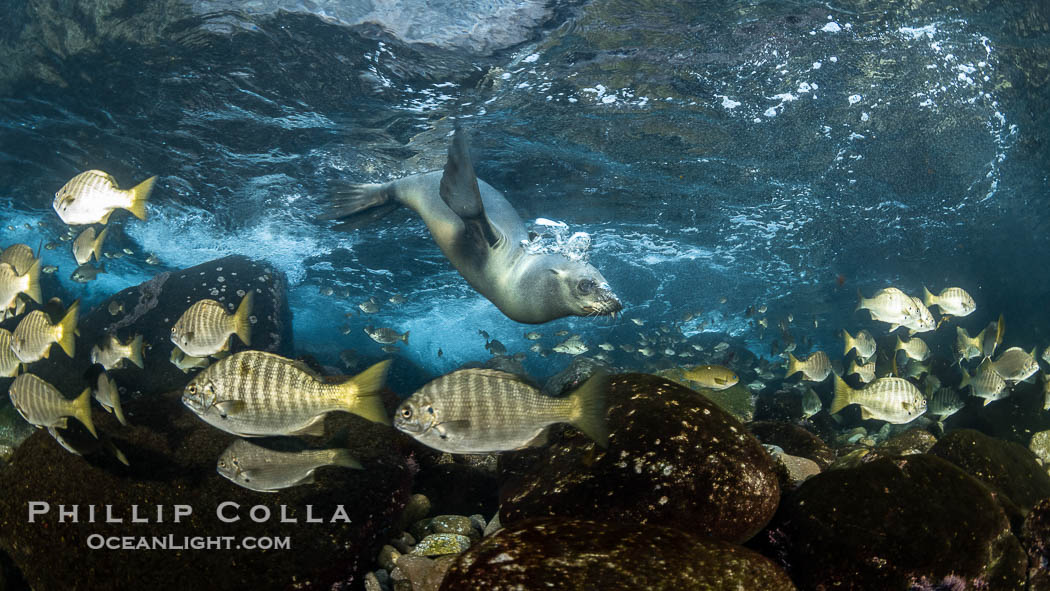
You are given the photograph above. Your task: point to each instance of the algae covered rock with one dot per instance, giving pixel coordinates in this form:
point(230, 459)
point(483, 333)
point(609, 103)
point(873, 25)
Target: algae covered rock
point(573, 554)
point(674, 458)
point(893, 523)
point(793, 440)
point(1006, 467)
point(172, 456)
point(1036, 536)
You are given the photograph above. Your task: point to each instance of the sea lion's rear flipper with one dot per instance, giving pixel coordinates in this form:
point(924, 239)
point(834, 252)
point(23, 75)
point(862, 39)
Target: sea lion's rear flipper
point(358, 204)
point(459, 190)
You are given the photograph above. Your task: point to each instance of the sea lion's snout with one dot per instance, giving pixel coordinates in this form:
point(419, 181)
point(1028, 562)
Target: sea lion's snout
point(605, 302)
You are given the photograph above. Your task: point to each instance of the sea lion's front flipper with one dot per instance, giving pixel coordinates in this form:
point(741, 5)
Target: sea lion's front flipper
point(459, 190)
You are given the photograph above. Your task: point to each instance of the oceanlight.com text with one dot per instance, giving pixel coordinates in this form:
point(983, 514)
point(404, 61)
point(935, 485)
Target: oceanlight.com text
point(171, 542)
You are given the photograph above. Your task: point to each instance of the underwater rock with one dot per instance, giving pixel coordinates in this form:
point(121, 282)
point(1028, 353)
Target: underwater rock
point(172, 457)
point(1036, 536)
point(674, 458)
point(893, 523)
point(793, 440)
point(912, 441)
point(797, 469)
point(576, 554)
point(1040, 446)
point(1006, 467)
point(574, 375)
point(737, 401)
point(152, 308)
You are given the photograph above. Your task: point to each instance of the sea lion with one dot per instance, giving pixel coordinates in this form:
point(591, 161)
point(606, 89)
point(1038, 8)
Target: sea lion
point(481, 235)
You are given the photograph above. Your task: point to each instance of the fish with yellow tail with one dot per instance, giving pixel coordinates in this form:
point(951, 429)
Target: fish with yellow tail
point(894, 400)
point(109, 397)
point(42, 405)
point(12, 283)
point(92, 196)
point(714, 377)
point(88, 245)
point(863, 343)
point(35, 334)
point(916, 349)
point(256, 394)
point(19, 256)
point(815, 368)
point(890, 305)
point(9, 362)
point(864, 371)
point(953, 301)
point(986, 383)
point(992, 336)
point(474, 411)
point(967, 347)
point(112, 353)
point(1016, 365)
point(206, 327)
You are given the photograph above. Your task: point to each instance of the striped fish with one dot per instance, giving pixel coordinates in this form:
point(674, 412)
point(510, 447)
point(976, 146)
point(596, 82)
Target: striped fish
point(953, 301)
point(109, 397)
point(9, 362)
point(944, 403)
point(44, 406)
point(893, 400)
point(483, 411)
point(88, 245)
point(255, 394)
point(864, 343)
point(866, 371)
point(815, 368)
point(113, 352)
point(19, 256)
point(92, 196)
point(12, 284)
point(35, 334)
point(205, 328)
point(986, 384)
point(264, 470)
point(1016, 365)
point(915, 349)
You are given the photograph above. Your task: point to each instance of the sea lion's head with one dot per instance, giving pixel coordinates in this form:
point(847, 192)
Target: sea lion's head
point(582, 289)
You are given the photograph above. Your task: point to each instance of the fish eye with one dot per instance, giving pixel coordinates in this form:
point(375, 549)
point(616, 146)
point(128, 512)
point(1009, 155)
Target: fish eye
point(406, 413)
point(222, 463)
point(585, 286)
point(192, 389)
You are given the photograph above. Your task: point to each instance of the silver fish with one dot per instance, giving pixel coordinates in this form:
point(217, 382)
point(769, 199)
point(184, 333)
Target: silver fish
point(19, 256)
point(966, 347)
point(113, 352)
point(185, 362)
point(815, 368)
point(863, 343)
point(91, 196)
point(914, 348)
point(385, 336)
point(12, 284)
point(986, 384)
point(811, 403)
point(571, 346)
point(109, 397)
point(1016, 365)
point(890, 305)
point(533, 336)
point(9, 362)
point(255, 394)
point(944, 403)
point(953, 301)
point(865, 371)
point(264, 470)
point(88, 245)
point(86, 273)
point(369, 306)
point(486, 411)
point(42, 405)
point(35, 334)
point(206, 327)
point(893, 400)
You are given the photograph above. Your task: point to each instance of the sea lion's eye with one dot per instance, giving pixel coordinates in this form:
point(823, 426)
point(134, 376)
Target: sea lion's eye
point(585, 286)
point(406, 413)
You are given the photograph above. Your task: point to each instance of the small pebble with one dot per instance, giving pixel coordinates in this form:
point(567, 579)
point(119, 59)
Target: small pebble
point(441, 544)
point(403, 542)
point(388, 556)
point(493, 526)
point(372, 583)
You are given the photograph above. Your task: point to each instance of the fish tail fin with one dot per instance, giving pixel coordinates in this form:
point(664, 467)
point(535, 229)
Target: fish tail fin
point(82, 410)
point(32, 288)
point(139, 195)
point(843, 395)
point(96, 247)
point(119, 411)
point(792, 366)
point(965, 379)
point(68, 329)
point(342, 457)
point(900, 344)
point(136, 352)
point(850, 341)
point(242, 322)
point(928, 298)
point(1000, 330)
point(861, 302)
point(404, 337)
point(361, 393)
point(589, 408)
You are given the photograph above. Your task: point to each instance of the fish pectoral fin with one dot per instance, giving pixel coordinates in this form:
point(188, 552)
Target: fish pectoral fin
point(987, 401)
point(444, 427)
point(315, 427)
point(229, 407)
point(61, 423)
point(540, 439)
point(105, 218)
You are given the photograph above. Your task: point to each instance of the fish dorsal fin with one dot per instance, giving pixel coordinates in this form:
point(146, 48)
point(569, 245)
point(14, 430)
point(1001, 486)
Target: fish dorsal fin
point(459, 190)
point(500, 375)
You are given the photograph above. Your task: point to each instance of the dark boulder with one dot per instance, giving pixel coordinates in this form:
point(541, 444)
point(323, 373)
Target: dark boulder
point(912, 441)
point(674, 459)
point(172, 456)
point(1036, 537)
point(152, 308)
point(908, 522)
point(575, 554)
point(793, 440)
point(1009, 469)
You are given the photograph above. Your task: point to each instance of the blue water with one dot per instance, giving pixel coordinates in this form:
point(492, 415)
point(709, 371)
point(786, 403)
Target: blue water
point(769, 153)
